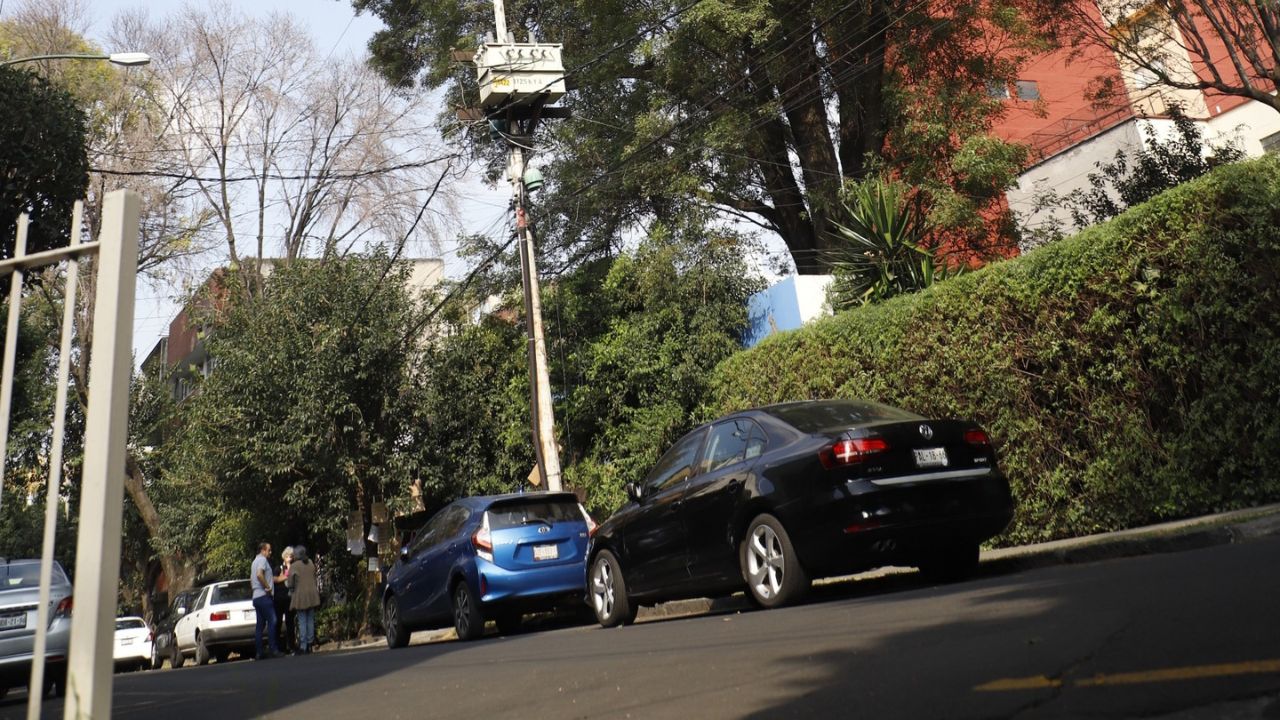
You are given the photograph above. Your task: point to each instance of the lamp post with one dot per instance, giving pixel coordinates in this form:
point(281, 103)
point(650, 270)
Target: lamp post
point(127, 59)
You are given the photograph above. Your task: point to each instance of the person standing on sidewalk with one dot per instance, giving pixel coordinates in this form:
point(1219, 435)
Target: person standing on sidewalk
point(285, 636)
point(304, 598)
point(264, 607)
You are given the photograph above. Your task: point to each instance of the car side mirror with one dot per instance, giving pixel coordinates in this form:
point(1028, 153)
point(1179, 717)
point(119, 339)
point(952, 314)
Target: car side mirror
point(404, 553)
point(634, 492)
point(181, 611)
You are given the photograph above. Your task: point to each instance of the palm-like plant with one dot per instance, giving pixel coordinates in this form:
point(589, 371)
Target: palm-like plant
point(882, 254)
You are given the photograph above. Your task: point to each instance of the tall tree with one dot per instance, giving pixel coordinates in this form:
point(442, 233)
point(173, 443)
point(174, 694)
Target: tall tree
point(1230, 47)
point(760, 109)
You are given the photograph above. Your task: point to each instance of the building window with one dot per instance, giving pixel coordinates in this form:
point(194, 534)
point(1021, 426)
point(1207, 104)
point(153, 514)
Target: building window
point(1271, 143)
point(997, 91)
point(1028, 90)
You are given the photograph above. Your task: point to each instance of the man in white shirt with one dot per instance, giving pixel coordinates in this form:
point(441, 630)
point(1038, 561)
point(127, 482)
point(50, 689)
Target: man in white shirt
point(260, 579)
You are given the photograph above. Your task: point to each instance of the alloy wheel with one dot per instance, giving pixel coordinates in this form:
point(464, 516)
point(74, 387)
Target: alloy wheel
point(766, 562)
point(602, 589)
point(462, 610)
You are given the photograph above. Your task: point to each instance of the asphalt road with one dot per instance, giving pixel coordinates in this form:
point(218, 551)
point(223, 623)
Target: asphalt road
point(1184, 635)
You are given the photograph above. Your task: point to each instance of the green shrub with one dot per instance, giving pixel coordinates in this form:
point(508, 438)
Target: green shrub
point(1129, 374)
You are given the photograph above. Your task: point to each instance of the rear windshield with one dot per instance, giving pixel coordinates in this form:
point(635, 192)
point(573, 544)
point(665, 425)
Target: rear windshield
point(837, 414)
point(26, 574)
point(231, 592)
point(523, 513)
point(130, 623)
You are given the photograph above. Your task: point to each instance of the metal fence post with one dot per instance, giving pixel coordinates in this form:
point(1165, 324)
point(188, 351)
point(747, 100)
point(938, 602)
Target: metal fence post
point(89, 666)
point(11, 346)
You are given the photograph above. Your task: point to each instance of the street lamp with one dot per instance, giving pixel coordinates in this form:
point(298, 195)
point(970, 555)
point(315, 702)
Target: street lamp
point(127, 59)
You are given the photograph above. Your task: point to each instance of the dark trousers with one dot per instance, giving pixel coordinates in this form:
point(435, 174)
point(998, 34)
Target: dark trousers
point(265, 610)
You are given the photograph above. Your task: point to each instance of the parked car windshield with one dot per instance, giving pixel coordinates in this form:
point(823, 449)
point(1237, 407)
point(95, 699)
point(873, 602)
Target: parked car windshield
point(26, 574)
point(129, 623)
point(508, 515)
point(836, 414)
point(231, 592)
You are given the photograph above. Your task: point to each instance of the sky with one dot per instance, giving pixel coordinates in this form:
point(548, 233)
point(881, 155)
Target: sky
point(335, 28)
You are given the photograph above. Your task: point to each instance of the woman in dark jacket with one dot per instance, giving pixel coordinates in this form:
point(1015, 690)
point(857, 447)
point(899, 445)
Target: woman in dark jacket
point(304, 597)
point(284, 616)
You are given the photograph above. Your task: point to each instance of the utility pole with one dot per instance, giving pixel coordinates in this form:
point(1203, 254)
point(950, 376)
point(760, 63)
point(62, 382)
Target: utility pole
point(516, 81)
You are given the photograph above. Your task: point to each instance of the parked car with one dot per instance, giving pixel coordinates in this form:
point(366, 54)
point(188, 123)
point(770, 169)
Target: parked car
point(133, 643)
point(494, 557)
point(19, 602)
point(219, 623)
point(163, 647)
point(766, 499)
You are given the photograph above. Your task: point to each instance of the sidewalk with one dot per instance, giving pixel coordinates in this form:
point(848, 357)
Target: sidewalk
point(1201, 532)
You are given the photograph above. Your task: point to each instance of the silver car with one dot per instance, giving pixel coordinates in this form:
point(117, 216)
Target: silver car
point(19, 600)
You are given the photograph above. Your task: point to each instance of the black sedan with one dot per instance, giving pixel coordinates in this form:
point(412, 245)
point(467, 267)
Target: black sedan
point(772, 497)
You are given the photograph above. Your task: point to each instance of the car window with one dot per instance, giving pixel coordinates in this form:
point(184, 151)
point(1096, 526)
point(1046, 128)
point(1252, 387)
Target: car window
point(509, 515)
point(676, 465)
point(26, 574)
point(756, 442)
point(200, 602)
point(814, 417)
point(727, 444)
point(454, 521)
point(231, 592)
point(182, 601)
point(129, 623)
point(437, 529)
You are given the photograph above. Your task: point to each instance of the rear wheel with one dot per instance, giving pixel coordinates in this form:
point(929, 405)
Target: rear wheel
point(770, 565)
point(467, 620)
point(176, 658)
point(609, 592)
point(202, 652)
point(397, 633)
point(950, 563)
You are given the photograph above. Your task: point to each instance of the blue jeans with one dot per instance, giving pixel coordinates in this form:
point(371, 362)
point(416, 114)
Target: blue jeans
point(265, 609)
point(306, 628)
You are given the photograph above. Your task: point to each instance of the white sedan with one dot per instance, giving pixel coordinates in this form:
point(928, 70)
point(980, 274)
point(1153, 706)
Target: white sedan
point(133, 643)
point(221, 622)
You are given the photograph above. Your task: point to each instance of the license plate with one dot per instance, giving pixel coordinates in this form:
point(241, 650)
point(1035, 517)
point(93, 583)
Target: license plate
point(9, 622)
point(250, 614)
point(931, 457)
point(126, 641)
point(546, 552)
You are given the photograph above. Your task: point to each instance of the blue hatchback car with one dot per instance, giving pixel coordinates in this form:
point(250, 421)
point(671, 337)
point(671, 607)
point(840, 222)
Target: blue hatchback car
point(484, 558)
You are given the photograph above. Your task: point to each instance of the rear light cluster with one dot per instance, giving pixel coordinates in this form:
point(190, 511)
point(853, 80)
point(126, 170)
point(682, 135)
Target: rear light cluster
point(482, 539)
point(220, 616)
point(851, 451)
point(64, 608)
point(977, 437)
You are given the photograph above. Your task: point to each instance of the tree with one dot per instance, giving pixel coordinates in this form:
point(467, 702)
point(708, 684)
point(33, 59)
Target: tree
point(291, 153)
point(306, 417)
point(1230, 47)
point(43, 165)
point(759, 110)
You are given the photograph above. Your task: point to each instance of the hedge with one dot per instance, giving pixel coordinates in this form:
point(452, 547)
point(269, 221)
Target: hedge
point(1129, 374)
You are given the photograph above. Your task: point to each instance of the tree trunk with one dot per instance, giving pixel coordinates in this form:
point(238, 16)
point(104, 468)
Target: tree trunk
point(179, 572)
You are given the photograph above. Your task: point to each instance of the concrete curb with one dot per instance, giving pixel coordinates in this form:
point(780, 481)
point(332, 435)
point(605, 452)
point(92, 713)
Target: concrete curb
point(1177, 536)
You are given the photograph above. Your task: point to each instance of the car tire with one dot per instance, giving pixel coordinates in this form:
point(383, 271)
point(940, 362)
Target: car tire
point(950, 563)
point(397, 633)
point(176, 658)
point(508, 622)
point(467, 618)
point(608, 592)
point(202, 652)
point(157, 662)
point(770, 565)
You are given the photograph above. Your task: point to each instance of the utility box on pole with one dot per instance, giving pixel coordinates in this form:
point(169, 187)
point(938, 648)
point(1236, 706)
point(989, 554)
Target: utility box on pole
point(519, 71)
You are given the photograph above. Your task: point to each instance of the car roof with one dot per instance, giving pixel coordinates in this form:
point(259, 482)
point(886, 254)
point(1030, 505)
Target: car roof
point(224, 583)
point(480, 502)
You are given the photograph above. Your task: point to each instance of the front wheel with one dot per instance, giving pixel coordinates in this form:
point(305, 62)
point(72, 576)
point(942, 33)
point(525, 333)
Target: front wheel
point(397, 633)
point(770, 564)
point(467, 619)
point(609, 592)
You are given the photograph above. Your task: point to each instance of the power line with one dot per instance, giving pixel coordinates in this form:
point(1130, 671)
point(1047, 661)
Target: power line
point(277, 176)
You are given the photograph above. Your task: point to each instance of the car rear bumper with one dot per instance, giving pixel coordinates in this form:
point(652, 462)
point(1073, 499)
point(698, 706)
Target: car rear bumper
point(868, 524)
point(240, 634)
point(133, 652)
point(16, 653)
point(530, 587)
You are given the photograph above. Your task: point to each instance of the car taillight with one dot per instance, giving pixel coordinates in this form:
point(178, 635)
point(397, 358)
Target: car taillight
point(591, 524)
point(64, 608)
point(220, 616)
point(483, 540)
point(851, 451)
point(976, 437)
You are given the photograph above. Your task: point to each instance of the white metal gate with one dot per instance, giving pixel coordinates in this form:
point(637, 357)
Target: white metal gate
point(97, 571)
